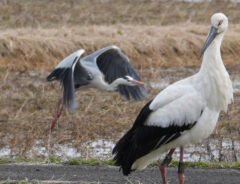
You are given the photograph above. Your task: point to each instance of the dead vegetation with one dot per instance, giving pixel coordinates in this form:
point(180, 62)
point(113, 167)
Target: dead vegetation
point(67, 13)
point(146, 46)
point(28, 102)
point(27, 105)
point(36, 34)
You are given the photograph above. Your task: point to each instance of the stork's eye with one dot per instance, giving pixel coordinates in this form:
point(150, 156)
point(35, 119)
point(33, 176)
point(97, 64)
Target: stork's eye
point(220, 22)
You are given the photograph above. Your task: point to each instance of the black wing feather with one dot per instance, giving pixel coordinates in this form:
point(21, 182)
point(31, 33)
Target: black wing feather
point(114, 64)
point(56, 74)
point(142, 139)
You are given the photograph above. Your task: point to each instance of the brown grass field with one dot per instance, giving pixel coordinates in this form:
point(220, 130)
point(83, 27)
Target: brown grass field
point(147, 46)
point(161, 38)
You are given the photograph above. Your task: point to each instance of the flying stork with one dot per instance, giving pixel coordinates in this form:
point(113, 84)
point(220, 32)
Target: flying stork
point(185, 112)
point(107, 69)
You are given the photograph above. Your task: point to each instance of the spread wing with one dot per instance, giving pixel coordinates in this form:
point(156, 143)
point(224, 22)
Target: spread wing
point(114, 64)
point(69, 72)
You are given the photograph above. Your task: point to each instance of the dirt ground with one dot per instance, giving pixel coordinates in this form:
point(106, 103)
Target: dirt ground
point(85, 174)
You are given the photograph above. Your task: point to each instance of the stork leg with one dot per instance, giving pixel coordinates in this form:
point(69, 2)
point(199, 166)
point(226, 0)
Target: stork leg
point(57, 114)
point(181, 176)
point(164, 164)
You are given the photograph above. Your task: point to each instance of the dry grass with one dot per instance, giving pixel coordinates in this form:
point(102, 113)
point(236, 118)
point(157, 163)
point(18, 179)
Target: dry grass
point(147, 46)
point(27, 104)
point(39, 33)
point(65, 13)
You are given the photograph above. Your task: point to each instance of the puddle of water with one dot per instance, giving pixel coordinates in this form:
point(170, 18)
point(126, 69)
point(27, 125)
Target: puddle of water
point(4, 152)
point(102, 149)
point(64, 151)
point(67, 151)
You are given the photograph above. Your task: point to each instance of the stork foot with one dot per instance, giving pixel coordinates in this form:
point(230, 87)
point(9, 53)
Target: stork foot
point(181, 167)
point(164, 164)
point(181, 178)
point(163, 172)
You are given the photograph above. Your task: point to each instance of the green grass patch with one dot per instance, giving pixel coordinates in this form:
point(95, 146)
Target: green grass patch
point(209, 165)
point(21, 182)
point(51, 159)
point(20, 160)
point(79, 161)
point(56, 160)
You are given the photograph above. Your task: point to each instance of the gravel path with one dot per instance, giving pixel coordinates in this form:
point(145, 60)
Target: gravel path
point(85, 174)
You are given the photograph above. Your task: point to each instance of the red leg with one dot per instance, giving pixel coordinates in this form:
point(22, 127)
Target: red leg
point(181, 176)
point(164, 164)
point(57, 115)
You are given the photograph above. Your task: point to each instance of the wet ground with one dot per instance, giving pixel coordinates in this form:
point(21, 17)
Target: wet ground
point(223, 145)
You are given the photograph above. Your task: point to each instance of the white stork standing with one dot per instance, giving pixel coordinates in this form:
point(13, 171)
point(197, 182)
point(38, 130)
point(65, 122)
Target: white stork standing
point(108, 69)
point(185, 112)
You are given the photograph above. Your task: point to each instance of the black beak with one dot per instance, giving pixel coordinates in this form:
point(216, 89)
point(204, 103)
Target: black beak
point(212, 34)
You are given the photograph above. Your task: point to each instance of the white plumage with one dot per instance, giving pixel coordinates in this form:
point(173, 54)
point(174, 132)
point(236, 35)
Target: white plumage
point(209, 90)
point(184, 113)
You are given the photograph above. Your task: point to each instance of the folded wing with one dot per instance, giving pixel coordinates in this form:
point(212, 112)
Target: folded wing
point(156, 127)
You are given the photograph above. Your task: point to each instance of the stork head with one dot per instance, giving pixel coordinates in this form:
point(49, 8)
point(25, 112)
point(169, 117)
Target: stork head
point(219, 23)
point(128, 80)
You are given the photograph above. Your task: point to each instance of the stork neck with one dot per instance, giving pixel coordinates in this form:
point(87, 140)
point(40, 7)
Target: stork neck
point(213, 79)
point(212, 59)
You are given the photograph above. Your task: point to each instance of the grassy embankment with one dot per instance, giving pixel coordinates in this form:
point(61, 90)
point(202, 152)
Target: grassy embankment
point(75, 161)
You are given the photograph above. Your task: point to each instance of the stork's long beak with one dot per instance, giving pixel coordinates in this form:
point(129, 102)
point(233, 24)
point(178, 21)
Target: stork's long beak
point(137, 82)
point(212, 34)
